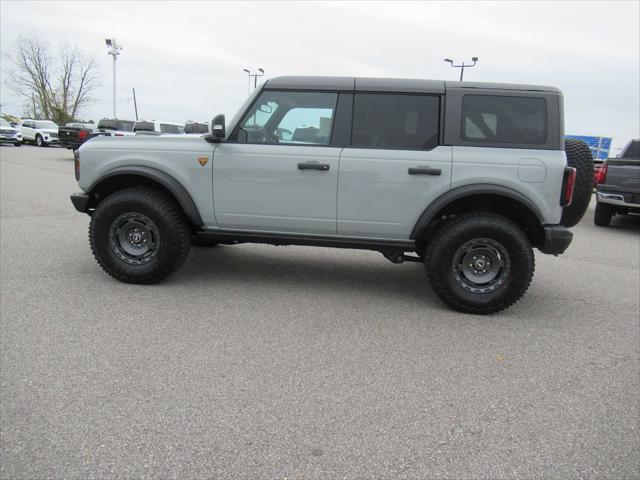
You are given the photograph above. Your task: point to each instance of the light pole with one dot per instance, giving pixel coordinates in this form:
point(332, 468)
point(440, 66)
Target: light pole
point(255, 78)
point(113, 50)
point(462, 65)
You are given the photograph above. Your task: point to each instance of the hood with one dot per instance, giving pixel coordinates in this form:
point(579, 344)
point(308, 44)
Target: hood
point(148, 142)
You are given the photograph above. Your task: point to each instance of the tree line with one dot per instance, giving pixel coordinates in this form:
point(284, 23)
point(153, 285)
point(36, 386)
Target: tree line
point(52, 85)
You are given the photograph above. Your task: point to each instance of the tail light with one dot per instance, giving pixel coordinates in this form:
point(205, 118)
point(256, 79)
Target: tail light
point(568, 186)
point(119, 134)
point(601, 176)
point(76, 163)
point(82, 134)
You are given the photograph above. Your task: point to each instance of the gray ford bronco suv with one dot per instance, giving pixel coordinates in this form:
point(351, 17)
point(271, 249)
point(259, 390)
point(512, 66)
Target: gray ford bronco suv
point(464, 177)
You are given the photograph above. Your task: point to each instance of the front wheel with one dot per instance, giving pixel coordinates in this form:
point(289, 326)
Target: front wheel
point(139, 235)
point(39, 141)
point(479, 263)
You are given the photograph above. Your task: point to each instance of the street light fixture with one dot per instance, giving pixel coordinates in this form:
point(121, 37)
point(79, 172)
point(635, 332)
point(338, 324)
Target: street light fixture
point(113, 50)
point(462, 65)
point(255, 77)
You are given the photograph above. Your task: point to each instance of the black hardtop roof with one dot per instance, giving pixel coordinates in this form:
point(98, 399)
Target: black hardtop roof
point(407, 85)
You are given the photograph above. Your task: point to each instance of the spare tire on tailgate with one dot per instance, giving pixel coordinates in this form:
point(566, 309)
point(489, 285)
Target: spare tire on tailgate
point(579, 157)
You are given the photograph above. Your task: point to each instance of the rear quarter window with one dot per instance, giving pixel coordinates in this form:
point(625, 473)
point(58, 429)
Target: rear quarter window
point(504, 119)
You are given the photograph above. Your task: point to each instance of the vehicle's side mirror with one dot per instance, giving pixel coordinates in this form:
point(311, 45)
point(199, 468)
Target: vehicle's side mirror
point(218, 131)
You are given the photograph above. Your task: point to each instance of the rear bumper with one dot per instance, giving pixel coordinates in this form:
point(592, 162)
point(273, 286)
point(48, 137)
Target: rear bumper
point(557, 239)
point(80, 201)
point(618, 199)
point(70, 144)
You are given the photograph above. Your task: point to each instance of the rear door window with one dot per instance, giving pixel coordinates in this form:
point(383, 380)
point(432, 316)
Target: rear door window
point(395, 121)
point(504, 119)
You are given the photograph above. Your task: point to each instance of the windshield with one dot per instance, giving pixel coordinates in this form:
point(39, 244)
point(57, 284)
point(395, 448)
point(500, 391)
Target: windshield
point(236, 118)
point(122, 125)
point(45, 124)
point(143, 127)
point(4, 123)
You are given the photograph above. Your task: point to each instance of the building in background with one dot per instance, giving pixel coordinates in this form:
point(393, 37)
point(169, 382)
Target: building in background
point(600, 146)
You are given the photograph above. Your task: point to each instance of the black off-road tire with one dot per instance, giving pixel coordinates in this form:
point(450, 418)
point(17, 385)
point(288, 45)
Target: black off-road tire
point(477, 229)
point(603, 215)
point(579, 157)
point(18, 144)
point(171, 235)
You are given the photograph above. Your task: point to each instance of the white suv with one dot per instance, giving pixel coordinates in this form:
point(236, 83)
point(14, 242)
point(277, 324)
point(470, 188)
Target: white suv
point(40, 132)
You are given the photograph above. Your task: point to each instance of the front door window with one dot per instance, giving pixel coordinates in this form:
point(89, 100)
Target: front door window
point(290, 118)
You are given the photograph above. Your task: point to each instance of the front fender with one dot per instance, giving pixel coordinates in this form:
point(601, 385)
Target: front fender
point(171, 184)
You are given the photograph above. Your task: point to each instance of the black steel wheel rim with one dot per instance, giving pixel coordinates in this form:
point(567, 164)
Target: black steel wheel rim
point(481, 265)
point(134, 238)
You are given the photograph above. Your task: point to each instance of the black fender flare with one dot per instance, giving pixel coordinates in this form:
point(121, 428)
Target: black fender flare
point(167, 181)
point(466, 191)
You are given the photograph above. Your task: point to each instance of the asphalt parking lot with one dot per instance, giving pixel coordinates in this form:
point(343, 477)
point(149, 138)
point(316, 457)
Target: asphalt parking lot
point(295, 362)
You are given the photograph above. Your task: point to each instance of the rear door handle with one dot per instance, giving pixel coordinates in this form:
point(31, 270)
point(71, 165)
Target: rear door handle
point(313, 166)
point(424, 171)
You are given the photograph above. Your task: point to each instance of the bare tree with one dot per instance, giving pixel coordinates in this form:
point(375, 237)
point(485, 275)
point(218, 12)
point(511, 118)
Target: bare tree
point(56, 89)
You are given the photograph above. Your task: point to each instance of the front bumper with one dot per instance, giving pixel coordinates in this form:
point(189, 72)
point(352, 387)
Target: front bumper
point(80, 201)
point(557, 239)
point(10, 138)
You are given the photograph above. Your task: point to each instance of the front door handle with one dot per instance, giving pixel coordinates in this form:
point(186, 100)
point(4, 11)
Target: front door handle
point(424, 171)
point(313, 166)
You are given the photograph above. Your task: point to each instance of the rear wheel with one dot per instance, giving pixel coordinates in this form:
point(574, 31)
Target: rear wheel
point(579, 157)
point(603, 215)
point(139, 235)
point(479, 262)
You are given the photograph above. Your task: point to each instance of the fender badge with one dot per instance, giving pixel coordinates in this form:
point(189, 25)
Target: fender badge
point(203, 161)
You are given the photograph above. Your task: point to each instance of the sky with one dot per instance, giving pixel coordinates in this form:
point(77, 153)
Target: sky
point(186, 59)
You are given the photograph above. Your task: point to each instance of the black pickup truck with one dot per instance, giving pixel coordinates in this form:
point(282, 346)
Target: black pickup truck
point(618, 185)
point(72, 135)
